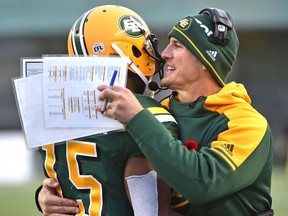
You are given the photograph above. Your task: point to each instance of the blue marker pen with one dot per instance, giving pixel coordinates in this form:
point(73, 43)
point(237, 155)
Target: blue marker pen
point(112, 81)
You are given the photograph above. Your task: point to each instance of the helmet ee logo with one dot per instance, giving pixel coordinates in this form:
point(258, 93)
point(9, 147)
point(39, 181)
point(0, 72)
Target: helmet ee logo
point(129, 27)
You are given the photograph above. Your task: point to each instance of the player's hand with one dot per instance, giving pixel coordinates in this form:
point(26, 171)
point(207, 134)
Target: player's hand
point(53, 205)
point(123, 105)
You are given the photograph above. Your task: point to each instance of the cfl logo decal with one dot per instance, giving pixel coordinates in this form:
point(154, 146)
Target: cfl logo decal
point(206, 29)
point(98, 48)
point(128, 27)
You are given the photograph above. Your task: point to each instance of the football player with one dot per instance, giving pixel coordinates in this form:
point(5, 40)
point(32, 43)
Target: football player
point(95, 170)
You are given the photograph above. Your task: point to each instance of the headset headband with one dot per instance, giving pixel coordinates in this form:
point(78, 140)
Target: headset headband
point(222, 23)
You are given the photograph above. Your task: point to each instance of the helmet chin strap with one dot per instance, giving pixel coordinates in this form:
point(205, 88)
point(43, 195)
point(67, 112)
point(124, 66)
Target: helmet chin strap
point(147, 91)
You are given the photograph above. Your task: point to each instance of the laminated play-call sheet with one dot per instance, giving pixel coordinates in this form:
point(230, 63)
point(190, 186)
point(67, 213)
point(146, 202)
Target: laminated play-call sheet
point(56, 97)
point(70, 89)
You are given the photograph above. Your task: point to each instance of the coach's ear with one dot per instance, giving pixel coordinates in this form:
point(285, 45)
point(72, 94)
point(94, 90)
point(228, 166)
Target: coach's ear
point(204, 68)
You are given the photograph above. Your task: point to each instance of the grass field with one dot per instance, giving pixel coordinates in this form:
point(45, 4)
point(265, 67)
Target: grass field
point(280, 191)
point(19, 200)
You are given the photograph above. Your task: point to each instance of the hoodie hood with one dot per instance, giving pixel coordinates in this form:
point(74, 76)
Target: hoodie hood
point(231, 94)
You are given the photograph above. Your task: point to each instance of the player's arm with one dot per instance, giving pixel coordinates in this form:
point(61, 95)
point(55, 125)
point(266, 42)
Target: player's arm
point(143, 187)
point(49, 203)
point(138, 171)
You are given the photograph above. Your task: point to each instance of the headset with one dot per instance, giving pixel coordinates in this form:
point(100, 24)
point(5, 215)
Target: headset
point(222, 23)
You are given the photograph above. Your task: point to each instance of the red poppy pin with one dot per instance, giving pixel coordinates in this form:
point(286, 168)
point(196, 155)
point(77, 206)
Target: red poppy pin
point(191, 145)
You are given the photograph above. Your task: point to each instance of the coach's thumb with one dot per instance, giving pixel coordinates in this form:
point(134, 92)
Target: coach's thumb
point(50, 183)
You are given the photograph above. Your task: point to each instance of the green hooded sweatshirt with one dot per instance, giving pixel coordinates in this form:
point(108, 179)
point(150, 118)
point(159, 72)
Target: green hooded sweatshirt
point(230, 173)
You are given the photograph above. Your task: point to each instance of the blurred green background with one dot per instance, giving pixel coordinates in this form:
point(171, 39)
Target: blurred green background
point(31, 28)
point(18, 200)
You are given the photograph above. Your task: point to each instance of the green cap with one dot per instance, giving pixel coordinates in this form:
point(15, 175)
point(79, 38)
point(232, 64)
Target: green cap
point(193, 32)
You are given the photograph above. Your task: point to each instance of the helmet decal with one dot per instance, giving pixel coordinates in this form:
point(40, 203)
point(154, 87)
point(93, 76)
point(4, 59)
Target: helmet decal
point(98, 48)
point(129, 27)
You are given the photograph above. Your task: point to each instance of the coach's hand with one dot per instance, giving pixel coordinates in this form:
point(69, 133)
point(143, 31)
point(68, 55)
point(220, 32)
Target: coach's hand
point(53, 205)
point(122, 106)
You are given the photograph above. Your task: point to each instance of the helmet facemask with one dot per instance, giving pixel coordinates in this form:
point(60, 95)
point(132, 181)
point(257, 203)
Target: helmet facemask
point(151, 48)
